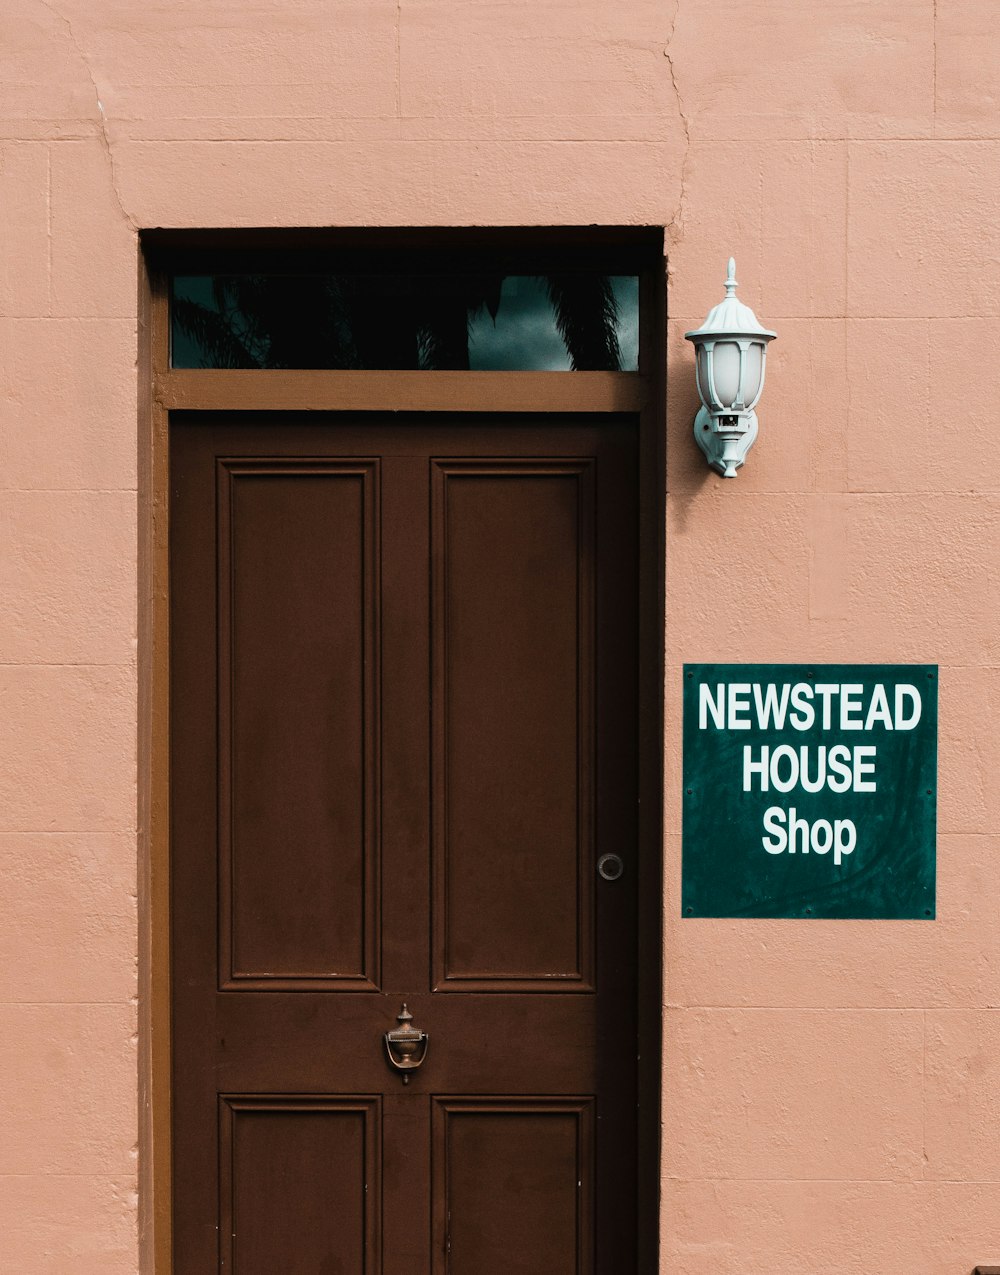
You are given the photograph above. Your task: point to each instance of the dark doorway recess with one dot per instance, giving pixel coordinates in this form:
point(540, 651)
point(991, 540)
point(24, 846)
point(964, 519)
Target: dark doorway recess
point(415, 681)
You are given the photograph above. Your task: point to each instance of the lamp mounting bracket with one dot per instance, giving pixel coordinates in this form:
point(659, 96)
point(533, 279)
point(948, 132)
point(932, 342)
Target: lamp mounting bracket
point(725, 447)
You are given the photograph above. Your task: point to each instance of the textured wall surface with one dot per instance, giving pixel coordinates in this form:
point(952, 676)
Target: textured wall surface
point(831, 1089)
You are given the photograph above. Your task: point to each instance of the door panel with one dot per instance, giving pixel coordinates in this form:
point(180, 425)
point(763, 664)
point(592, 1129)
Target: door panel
point(515, 1185)
point(298, 667)
point(513, 636)
point(403, 731)
point(330, 1148)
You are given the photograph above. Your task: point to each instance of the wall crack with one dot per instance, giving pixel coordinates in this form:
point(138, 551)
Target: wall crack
point(103, 131)
point(675, 227)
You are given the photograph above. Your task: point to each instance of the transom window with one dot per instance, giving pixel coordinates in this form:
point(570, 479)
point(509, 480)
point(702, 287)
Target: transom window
point(561, 321)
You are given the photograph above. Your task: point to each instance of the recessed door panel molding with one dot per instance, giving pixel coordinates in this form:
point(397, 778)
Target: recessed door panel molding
point(514, 1185)
point(300, 1184)
point(513, 723)
point(298, 709)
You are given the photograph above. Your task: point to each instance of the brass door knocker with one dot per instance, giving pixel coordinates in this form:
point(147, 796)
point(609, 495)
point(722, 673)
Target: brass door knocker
point(405, 1046)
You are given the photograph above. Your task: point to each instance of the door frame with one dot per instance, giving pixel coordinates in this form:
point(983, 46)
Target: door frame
point(161, 389)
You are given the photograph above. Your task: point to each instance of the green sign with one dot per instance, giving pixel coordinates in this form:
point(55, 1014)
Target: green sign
point(810, 790)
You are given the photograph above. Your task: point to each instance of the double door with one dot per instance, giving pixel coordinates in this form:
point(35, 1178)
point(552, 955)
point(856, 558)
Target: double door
point(403, 772)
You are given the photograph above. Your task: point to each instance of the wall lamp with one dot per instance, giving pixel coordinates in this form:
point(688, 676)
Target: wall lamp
point(730, 351)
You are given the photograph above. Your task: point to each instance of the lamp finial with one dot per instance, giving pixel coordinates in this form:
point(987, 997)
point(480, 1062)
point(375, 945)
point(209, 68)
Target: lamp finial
point(731, 284)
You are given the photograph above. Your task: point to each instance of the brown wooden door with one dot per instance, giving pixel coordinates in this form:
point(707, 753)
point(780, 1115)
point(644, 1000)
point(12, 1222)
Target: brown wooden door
point(403, 733)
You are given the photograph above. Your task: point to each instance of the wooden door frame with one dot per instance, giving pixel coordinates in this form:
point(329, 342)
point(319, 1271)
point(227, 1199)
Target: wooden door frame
point(162, 389)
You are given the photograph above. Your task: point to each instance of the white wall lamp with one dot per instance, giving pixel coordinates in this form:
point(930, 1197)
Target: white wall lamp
point(730, 352)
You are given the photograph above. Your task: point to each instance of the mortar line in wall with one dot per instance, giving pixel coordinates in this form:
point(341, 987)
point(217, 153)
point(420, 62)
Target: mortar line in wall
point(923, 1095)
point(839, 316)
point(974, 317)
point(923, 1010)
point(805, 1009)
point(472, 139)
point(790, 1181)
point(847, 309)
point(831, 139)
point(68, 491)
point(920, 493)
point(934, 38)
point(399, 60)
point(126, 1002)
point(880, 140)
point(761, 276)
point(990, 139)
point(60, 832)
point(69, 318)
point(810, 275)
point(48, 228)
point(978, 493)
point(46, 1174)
point(68, 663)
point(928, 412)
point(421, 142)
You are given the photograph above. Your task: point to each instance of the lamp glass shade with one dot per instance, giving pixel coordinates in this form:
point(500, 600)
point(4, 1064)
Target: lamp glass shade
point(724, 386)
point(726, 372)
point(754, 373)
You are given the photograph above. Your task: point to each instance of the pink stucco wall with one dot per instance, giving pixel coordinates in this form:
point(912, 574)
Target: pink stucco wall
point(832, 1090)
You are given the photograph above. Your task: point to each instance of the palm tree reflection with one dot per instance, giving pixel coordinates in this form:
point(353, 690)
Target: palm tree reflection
point(372, 321)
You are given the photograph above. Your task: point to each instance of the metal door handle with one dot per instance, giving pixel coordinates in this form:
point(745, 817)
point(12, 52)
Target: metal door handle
point(405, 1046)
point(610, 866)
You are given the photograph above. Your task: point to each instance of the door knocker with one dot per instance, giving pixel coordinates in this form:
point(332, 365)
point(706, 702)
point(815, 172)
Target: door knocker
point(405, 1046)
